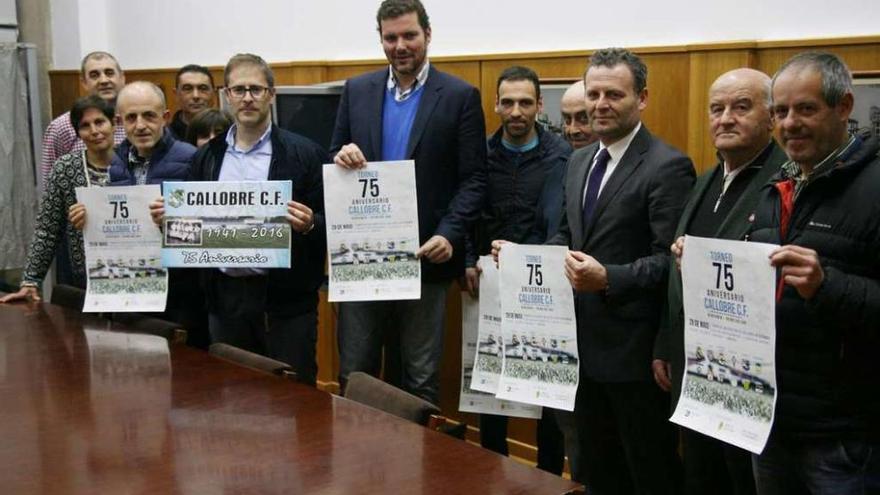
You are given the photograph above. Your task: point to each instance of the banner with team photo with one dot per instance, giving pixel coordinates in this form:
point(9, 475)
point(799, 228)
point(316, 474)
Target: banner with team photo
point(123, 250)
point(470, 399)
point(539, 332)
point(728, 390)
point(227, 224)
point(372, 232)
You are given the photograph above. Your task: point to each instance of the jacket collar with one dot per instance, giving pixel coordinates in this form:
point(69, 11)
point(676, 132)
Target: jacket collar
point(162, 146)
point(494, 142)
point(854, 157)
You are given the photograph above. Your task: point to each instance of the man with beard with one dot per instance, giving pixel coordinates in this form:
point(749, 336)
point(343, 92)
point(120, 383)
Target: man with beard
point(522, 160)
point(413, 111)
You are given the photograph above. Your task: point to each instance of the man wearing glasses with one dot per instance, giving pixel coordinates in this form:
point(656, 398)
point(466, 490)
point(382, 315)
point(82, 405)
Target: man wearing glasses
point(194, 90)
point(271, 312)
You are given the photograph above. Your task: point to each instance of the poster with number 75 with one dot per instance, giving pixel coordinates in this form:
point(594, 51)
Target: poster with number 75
point(728, 388)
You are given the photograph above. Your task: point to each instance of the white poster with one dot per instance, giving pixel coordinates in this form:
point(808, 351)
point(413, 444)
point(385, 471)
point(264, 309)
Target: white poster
point(372, 232)
point(728, 390)
point(123, 250)
point(540, 359)
point(490, 349)
point(470, 399)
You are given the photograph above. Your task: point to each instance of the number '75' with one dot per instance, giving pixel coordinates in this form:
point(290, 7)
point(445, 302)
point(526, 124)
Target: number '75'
point(725, 270)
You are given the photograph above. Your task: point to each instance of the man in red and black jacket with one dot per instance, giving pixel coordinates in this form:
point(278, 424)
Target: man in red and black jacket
point(823, 209)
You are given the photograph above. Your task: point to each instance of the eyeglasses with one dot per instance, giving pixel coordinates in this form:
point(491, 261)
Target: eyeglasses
point(256, 92)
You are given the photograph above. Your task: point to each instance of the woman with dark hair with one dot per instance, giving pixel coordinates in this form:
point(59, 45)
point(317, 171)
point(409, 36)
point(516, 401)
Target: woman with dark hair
point(92, 118)
point(207, 124)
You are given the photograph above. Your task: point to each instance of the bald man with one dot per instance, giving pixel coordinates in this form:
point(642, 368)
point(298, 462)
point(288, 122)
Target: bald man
point(149, 154)
point(719, 206)
point(576, 123)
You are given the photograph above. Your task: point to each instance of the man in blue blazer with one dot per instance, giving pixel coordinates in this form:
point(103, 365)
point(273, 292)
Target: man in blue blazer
point(413, 111)
point(720, 206)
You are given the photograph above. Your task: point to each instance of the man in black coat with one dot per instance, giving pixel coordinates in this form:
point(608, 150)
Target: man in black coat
point(623, 197)
point(523, 198)
point(272, 312)
point(823, 209)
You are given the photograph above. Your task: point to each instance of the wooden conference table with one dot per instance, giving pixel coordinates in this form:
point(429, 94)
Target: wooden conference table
point(88, 408)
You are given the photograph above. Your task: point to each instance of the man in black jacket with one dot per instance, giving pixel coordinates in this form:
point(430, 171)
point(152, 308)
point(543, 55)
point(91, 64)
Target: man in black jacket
point(194, 90)
point(526, 165)
point(272, 312)
point(623, 196)
point(822, 208)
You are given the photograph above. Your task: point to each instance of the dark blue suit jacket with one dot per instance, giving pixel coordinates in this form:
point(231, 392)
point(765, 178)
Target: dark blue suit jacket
point(447, 143)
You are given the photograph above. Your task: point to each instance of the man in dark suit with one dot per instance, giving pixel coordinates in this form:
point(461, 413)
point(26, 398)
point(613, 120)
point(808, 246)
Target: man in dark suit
point(623, 196)
point(413, 111)
point(720, 206)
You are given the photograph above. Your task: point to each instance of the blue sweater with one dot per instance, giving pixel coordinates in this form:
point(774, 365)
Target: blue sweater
point(397, 123)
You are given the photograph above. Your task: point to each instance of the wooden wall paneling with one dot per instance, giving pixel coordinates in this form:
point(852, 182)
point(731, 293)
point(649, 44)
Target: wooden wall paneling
point(705, 67)
point(860, 55)
point(340, 72)
point(468, 71)
point(298, 75)
point(65, 88)
point(327, 353)
point(668, 86)
point(310, 75)
point(450, 366)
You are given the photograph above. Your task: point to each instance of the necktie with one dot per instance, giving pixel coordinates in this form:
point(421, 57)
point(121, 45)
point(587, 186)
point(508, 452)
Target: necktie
point(593, 184)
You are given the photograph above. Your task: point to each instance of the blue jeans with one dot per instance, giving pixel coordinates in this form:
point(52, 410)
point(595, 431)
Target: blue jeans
point(791, 466)
point(421, 322)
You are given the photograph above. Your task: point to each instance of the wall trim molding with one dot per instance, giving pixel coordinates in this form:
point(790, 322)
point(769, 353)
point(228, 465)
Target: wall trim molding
point(684, 48)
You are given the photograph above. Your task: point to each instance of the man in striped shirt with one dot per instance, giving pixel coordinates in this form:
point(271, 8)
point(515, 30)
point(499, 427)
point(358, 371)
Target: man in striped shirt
point(100, 74)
